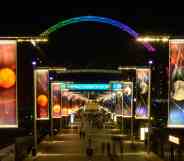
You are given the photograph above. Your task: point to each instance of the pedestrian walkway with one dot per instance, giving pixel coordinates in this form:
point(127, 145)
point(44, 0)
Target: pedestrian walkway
point(68, 146)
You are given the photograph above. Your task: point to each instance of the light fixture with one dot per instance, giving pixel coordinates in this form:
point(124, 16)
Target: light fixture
point(153, 39)
point(51, 78)
point(26, 38)
point(34, 63)
point(150, 62)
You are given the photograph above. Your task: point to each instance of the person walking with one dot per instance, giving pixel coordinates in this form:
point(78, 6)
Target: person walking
point(103, 148)
point(89, 150)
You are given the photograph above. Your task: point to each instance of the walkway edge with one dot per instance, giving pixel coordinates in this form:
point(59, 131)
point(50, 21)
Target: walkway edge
point(152, 157)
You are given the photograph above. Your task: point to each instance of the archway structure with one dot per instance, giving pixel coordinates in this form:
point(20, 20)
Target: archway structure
point(97, 19)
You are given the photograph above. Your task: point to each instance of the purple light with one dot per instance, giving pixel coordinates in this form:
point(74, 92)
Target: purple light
point(150, 62)
point(33, 63)
point(51, 78)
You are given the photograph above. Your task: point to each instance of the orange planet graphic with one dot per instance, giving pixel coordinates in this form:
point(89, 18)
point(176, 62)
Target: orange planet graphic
point(7, 78)
point(42, 100)
point(56, 108)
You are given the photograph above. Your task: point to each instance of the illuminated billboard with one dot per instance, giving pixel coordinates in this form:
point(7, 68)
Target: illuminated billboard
point(176, 83)
point(142, 108)
point(56, 100)
point(8, 88)
point(88, 86)
point(41, 94)
point(127, 99)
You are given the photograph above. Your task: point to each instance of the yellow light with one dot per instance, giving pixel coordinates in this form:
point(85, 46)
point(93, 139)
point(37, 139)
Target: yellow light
point(143, 132)
point(153, 39)
point(174, 139)
point(165, 39)
point(32, 40)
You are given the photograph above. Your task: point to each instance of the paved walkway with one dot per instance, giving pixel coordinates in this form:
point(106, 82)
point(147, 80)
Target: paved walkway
point(68, 146)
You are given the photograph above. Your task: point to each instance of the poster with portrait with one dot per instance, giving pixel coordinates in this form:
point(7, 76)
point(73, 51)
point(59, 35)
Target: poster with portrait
point(176, 83)
point(143, 76)
point(41, 94)
point(127, 99)
point(8, 88)
point(56, 100)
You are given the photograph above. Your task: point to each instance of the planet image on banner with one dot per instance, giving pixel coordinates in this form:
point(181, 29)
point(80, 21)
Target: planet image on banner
point(65, 111)
point(7, 78)
point(42, 100)
point(56, 108)
point(7, 55)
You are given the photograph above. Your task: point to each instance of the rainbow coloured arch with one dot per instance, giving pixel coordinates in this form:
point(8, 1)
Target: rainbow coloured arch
point(97, 19)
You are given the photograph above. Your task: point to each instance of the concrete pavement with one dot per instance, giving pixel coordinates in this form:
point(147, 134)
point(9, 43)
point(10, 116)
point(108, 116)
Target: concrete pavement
point(68, 146)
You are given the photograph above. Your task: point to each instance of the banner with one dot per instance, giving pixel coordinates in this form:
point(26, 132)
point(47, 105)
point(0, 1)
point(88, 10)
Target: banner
point(142, 110)
point(41, 94)
point(8, 95)
point(127, 99)
point(176, 83)
point(65, 103)
point(56, 100)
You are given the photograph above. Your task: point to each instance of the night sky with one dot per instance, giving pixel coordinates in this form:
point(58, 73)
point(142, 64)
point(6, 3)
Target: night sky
point(94, 45)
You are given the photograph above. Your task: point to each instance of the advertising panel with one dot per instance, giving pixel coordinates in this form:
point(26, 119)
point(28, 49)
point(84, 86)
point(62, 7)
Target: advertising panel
point(41, 94)
point(127, 99)
point(8, 81)
point(176, 83)
point(143, 77)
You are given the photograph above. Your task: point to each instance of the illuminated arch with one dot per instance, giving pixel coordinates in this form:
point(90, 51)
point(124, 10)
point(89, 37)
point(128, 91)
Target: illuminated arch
point(98, 19)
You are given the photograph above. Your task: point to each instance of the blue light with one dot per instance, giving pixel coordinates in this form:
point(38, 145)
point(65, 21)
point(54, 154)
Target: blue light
point(88, 86)
point(98, 19)
point(116, 86)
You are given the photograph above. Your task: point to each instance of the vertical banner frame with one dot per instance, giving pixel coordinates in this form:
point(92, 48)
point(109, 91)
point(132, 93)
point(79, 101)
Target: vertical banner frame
point(148, 93)
point(176, 69)
point(52, 99)
point(36, 94)
point(5, 63)
point(129, 83)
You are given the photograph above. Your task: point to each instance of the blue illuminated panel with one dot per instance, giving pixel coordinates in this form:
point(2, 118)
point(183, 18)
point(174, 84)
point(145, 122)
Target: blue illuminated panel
point(88, 86)
point(116, 86)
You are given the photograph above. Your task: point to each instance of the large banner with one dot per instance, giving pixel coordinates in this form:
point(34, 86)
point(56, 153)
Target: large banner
point(8, 99)
point(56, 100)
point(41, 94)
point(127, 99)
point(176, 84)
point(143, 77)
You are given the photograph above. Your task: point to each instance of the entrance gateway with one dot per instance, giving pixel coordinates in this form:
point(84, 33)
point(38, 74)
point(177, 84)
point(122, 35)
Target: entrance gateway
point(145, 72)
point(43, 99)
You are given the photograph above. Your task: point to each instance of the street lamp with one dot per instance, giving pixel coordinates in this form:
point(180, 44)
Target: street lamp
point(150, 62)
point(34, 63)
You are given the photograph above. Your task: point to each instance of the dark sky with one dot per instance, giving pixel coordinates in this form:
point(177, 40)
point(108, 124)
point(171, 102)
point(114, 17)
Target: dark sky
point(93, 45)
point(143, 20)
